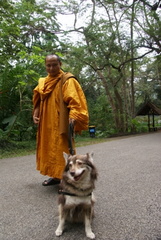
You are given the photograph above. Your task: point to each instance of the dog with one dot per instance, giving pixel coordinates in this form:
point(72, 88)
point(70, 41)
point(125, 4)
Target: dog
point(76, 199)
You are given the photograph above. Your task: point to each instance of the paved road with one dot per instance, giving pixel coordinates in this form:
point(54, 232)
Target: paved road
point(128, 194)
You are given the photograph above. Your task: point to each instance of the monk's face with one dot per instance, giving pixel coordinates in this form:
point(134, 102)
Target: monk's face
point(53, 65)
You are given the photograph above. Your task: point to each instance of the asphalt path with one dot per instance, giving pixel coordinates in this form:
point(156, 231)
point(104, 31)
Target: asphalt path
point(128, 193)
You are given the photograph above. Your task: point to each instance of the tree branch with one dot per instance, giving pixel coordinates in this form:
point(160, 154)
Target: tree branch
point(133, 59)
point(153, 7)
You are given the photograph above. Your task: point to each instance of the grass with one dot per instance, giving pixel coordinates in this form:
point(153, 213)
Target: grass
point(83, 141)
point(17, 148)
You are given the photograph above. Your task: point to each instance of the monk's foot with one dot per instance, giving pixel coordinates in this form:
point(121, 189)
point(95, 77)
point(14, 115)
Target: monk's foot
point(51, 181)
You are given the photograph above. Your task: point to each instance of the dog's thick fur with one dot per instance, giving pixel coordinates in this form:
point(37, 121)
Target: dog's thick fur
point(76, 197)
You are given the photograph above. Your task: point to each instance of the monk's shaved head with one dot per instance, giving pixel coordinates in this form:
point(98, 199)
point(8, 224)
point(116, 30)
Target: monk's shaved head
point(53, 64)
point(53, 56)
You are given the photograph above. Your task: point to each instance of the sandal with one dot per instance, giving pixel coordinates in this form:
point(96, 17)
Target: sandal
point(51, 181)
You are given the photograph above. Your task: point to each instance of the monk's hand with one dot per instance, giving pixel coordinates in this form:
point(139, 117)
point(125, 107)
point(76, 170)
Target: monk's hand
point(71, 120)
point(36, 119)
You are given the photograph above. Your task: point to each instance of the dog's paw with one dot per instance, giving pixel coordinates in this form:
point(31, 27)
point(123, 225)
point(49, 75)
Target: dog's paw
point(58, 232)
point(90, 235)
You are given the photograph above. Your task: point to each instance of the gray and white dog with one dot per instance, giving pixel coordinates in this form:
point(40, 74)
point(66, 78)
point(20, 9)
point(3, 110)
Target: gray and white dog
point(76, 199)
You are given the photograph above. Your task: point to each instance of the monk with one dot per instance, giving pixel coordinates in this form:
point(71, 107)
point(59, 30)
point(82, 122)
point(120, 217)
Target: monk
point(58, 100)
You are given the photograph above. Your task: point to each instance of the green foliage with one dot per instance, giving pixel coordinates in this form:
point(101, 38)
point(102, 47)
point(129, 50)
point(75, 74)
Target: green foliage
point(140, 124)
point(147, 86)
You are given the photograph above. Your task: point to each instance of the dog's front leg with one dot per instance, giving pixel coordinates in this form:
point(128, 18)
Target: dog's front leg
point(88, 229)
point(60, 228)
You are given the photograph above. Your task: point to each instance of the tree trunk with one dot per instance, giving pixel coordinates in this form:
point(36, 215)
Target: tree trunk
point(132, 64)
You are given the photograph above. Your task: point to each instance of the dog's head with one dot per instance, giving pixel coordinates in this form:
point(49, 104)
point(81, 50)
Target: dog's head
point(80, 166)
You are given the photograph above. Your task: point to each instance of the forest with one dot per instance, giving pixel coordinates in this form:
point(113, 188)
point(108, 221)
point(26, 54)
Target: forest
point(113, 47)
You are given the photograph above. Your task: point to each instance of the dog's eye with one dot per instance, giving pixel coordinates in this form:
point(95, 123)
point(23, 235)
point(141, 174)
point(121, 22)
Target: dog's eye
point(79, 163)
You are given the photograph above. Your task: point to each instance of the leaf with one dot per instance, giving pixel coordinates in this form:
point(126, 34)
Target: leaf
point(10, 121)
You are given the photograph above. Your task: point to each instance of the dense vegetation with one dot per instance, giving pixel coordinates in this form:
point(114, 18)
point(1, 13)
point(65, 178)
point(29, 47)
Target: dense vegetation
point(113, 48)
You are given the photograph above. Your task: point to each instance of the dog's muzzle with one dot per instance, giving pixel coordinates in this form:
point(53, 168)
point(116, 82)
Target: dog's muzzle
point(76, 177)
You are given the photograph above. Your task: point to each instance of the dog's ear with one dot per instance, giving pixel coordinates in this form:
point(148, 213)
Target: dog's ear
point(90, 156)
point(65, 155)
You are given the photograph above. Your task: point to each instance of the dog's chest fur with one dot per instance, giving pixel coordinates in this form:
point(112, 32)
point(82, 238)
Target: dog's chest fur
point(70, 200)
point(73, 201)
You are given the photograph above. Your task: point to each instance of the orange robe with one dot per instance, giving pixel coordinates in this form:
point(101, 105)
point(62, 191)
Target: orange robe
point(51, 142)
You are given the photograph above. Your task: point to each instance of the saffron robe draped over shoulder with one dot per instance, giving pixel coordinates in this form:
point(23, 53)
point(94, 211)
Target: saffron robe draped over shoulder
point(49, 96)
